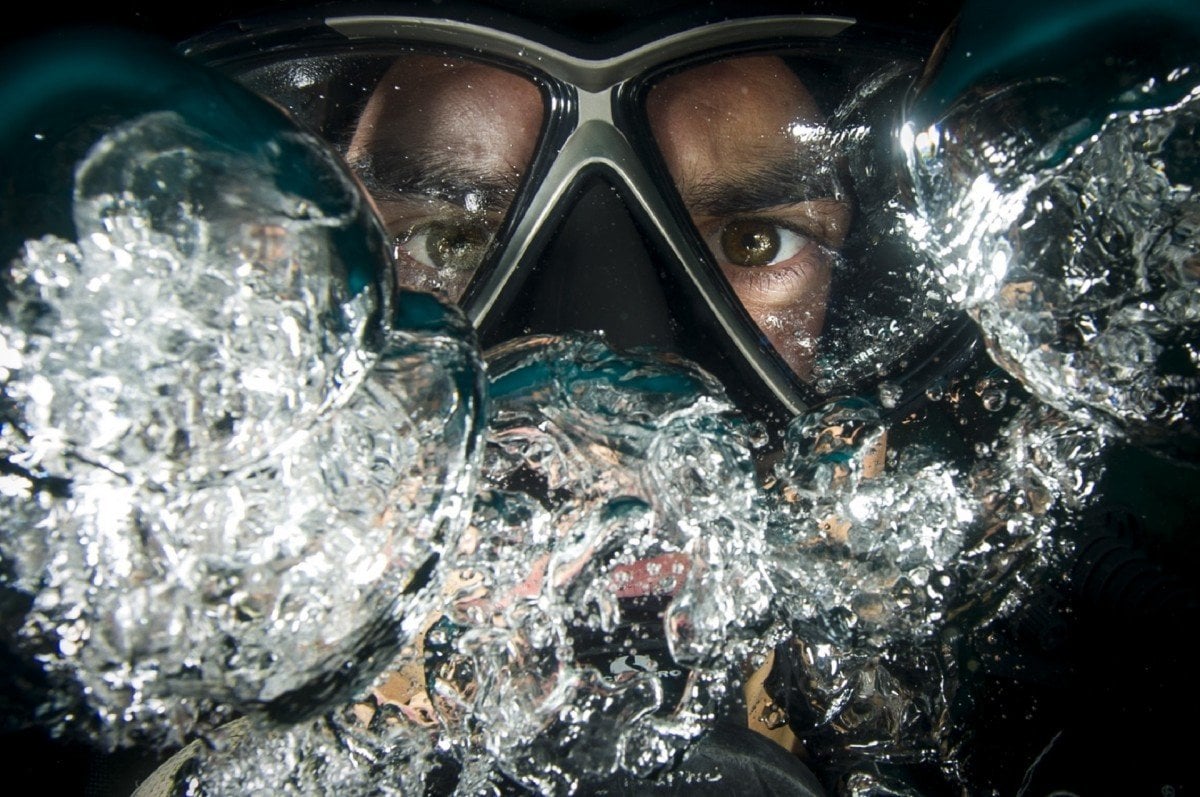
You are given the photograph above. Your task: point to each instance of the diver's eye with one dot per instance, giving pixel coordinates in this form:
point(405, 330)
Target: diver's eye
point(448, 246)
point(758, 242)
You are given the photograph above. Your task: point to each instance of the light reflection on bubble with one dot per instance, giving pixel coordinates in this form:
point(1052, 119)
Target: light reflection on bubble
point(593, 619)
point(608, 534)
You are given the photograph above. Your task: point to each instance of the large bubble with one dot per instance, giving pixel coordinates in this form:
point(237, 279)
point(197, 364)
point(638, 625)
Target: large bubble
point(229, 450)
point(1053, 170)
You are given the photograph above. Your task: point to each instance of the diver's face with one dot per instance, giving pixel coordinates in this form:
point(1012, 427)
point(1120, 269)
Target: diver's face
point(443, 144)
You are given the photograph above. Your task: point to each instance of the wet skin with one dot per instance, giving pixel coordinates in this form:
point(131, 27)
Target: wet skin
point(443, 155)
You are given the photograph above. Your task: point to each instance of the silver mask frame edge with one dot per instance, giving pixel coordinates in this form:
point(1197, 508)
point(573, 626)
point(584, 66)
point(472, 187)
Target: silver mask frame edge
point(593, 75)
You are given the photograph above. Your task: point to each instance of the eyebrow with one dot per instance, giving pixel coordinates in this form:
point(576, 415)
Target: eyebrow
point(399, 174)
point(786, 181)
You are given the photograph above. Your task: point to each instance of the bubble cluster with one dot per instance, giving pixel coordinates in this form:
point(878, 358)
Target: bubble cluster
point(1067, 228)
point(881, 563)
point(614, 576)
point(593, 620)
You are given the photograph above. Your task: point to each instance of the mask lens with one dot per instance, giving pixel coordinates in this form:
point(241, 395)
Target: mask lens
point(763, 191)
point(783, 161)
point(441, 144)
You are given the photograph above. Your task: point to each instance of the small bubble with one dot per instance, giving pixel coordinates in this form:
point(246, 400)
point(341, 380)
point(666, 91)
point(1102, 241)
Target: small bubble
point(889, 394)
point(758, 436)
point(993, 399)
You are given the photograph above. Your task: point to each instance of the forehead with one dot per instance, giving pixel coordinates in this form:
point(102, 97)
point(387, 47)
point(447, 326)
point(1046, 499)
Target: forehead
point(429, 81)
point(753, 90)
point(422, 97)
point(728, 115)
point(709, 120)
point(723, 79)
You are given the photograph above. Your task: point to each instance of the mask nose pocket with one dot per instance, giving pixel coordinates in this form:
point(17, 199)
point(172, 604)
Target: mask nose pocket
point(597, 273)
point(602, 270)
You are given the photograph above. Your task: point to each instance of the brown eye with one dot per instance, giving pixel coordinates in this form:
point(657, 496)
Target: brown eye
point(449, 246)
point(757, 242)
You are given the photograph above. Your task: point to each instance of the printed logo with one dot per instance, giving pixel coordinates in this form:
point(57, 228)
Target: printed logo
point(633, 663)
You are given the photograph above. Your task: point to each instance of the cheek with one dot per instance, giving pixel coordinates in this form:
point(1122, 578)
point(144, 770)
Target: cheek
point(789, 309)
point(802, 282)
point(796, 336)
point(414, 276)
